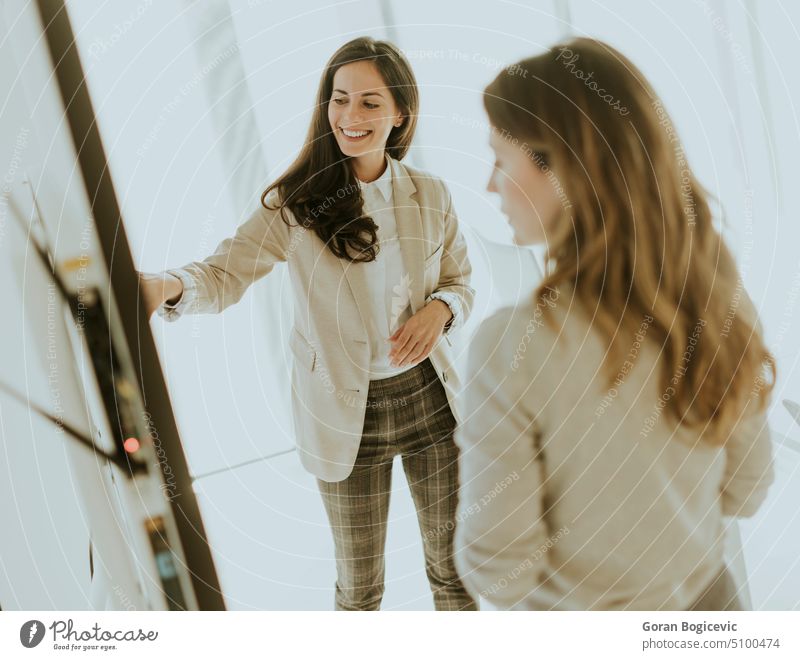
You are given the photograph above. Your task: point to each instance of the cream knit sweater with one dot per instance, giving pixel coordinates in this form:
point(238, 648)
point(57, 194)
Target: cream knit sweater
point(577, 497)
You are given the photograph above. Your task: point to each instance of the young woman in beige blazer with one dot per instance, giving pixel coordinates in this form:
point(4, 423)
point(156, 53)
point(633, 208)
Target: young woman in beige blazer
point(617, 418)
point(380, 277)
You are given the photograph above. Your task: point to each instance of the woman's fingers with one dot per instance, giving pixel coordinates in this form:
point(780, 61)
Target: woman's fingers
point(420, 349)
point(401, 356)
point(414, 340)
point(400, 340)
point(423, 348)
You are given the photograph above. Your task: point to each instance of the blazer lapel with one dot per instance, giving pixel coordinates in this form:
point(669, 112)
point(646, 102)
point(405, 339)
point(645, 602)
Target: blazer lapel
point(409, 229)
point(412, 246)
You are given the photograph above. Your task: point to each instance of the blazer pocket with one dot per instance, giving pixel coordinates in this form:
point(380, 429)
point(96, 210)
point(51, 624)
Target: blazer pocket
point(436, 254)
point(303, 350)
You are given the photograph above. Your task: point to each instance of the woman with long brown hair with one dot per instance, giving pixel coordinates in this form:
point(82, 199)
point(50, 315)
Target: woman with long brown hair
point(380, 276)
point(618, 416)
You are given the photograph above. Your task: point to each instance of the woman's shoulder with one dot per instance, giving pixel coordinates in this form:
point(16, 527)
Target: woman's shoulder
point(499, 337)
point(502, 325)
point(267, 223)
point(535, 330)
point(424, 180)
point(272, 209)
point(504, 360)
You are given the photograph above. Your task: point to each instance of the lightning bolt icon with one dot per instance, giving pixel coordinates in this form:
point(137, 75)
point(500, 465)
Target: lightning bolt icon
point(32, 632)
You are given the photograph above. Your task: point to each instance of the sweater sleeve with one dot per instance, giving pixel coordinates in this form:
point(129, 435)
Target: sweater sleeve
point(500, 531)
point(749, 468)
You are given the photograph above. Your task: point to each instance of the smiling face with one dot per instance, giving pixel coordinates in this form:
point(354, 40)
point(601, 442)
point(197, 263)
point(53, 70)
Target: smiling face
point(528, 194)
point(362, 111)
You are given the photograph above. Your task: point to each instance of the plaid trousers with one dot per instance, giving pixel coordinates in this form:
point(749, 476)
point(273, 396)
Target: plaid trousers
point(409, 415)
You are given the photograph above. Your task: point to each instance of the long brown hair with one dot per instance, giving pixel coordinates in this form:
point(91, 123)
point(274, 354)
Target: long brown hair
point(320, 187)
point(637, 239)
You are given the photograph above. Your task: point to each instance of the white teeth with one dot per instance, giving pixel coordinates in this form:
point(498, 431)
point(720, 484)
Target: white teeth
point(354, 134)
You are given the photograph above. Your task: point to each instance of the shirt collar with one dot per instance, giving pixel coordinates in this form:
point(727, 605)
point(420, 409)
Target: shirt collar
point(383, 183)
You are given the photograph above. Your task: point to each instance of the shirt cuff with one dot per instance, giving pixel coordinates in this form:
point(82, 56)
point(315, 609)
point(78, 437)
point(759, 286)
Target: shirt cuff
point(453, 302)
point(175, 311)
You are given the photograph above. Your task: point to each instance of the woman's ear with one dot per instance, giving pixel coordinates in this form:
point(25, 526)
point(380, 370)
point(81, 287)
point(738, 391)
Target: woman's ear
point(399, 121)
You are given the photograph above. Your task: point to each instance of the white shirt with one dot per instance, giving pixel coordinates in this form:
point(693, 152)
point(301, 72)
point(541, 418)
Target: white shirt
point(387, 277)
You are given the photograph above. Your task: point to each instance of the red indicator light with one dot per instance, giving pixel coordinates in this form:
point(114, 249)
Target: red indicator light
point(131, 445)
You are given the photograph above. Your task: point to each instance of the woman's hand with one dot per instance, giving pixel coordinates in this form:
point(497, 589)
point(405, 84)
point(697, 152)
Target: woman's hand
point(158, 288)
point(415, 339)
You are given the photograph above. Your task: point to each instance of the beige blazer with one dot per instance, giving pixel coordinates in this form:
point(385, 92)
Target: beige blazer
point(330, 373)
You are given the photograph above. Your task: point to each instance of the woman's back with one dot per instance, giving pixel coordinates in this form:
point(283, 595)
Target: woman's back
point(621, 508)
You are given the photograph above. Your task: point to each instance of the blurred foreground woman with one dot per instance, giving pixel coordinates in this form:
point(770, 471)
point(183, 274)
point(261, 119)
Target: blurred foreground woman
point(619, 415)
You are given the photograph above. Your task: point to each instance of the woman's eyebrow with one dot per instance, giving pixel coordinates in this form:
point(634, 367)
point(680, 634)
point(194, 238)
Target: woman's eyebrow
point(341, 91)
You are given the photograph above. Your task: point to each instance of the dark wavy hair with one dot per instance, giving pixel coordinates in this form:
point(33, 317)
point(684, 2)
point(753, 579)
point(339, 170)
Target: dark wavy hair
point(320, 188)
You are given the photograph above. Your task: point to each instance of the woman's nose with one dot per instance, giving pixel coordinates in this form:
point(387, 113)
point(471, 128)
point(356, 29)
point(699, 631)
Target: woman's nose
point(490, 186)
point(352, 118)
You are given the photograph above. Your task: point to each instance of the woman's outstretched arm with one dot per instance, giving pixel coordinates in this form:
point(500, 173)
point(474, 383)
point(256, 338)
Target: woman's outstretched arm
point(220, 280)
